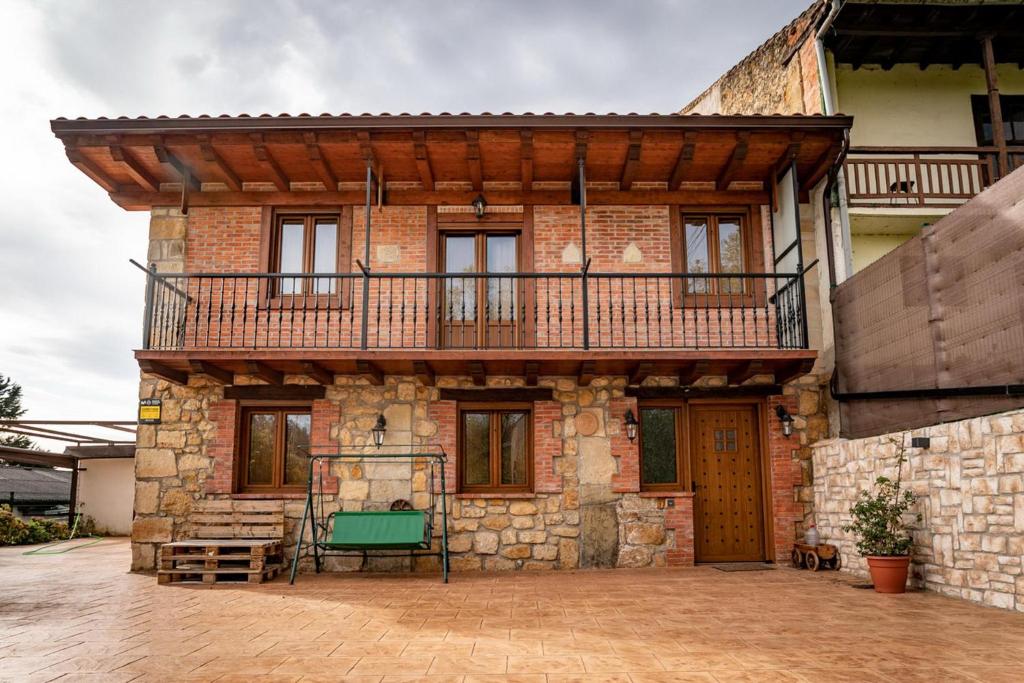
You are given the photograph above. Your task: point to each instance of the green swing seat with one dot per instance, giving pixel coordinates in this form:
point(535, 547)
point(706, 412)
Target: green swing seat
point(380, 530)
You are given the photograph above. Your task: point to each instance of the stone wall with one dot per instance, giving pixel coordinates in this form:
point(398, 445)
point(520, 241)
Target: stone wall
point(970, 542)
point(586, 511)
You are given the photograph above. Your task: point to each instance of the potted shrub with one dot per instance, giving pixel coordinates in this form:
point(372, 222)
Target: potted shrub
point(883, 535)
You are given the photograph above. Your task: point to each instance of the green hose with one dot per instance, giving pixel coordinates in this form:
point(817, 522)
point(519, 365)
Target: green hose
point(45, 549)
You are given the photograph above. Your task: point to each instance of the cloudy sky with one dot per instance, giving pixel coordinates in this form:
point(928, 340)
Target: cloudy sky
point(70, 303)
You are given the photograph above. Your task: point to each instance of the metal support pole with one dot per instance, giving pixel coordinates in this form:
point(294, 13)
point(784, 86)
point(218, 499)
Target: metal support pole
point(805, 342)
point(302, 525)
point(444, 525)
point(584, 262)
point(147, 321)
point(366, 257)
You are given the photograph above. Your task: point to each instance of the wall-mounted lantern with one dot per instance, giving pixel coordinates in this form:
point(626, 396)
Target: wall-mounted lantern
point(378, 431)
point(479, 206)
point(786, 419)
point(631, 424)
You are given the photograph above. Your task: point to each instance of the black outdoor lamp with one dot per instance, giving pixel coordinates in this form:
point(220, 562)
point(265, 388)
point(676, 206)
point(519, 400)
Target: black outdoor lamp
point(631, 424)
point(786, 419)
point(479, 205)
point(378, 431)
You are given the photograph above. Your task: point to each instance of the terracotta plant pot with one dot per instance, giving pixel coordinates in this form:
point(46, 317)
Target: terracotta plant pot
point(889, 574)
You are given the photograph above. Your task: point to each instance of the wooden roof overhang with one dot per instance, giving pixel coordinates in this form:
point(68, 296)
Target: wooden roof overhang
point(448, 159)
point(924, 33)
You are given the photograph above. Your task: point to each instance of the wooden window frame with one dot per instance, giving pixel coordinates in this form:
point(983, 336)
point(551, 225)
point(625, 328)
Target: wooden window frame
point(752, 236)
point(980, 109)
point(277, 485)
point(494, 488)
point(684, 477)
point(270, 254)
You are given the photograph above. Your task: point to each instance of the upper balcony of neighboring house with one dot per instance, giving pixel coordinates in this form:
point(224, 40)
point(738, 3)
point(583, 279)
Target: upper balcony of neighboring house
point(441, 244)
point(922, 81)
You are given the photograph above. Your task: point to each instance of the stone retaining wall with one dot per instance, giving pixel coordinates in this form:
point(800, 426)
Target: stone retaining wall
point(970, 542)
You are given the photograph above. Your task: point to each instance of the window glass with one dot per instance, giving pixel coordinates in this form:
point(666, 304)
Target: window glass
point(513, 448)
point(476, 442)
point(658, 446)
point(292, 234)
point(325, 255)
point(460, 293)
point(501, 258)
point(262, 438)
point(697, 253)
point(296, 445)
point(730, 252)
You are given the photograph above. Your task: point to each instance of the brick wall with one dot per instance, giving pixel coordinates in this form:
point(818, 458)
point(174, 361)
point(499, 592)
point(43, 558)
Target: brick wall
point(223, 240)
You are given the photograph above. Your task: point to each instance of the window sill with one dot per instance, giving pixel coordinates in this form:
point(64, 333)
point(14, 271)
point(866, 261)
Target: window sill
point(495, 495)
point(282, 495)
point(666, 494)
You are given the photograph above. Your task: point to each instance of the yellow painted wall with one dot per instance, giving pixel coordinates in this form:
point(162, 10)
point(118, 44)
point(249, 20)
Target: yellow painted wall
point(906, 106)
point(869, 248)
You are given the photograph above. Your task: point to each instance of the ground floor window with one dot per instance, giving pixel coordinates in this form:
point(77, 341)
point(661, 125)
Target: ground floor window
point(495, 446)
point(662, 465)
point(273, 448)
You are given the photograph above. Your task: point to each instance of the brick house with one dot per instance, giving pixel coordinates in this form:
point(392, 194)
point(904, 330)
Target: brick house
point(922, 306)
point(512, 288)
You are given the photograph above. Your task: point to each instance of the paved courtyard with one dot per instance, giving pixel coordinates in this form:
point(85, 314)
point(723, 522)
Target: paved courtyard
point(81, 616)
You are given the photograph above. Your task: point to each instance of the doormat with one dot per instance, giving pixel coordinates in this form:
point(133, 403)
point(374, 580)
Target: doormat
point(743, 567)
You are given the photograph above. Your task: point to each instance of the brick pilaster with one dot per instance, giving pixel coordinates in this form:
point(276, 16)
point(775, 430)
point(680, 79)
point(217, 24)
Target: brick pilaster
point(324, 415)
point(445, 414)
point(627, 452)
point(679, 521)
point(547, 445)
point(221, 446)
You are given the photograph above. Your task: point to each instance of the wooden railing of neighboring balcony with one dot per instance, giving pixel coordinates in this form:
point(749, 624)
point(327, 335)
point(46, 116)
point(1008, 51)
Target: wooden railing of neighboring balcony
point(939, 177)
point(424, 311)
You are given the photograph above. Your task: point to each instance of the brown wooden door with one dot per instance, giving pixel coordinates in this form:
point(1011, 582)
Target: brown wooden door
point(480, 312)
point(728, 506)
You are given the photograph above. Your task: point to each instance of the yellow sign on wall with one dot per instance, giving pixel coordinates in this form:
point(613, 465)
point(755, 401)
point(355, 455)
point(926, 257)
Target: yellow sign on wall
point(149, 411)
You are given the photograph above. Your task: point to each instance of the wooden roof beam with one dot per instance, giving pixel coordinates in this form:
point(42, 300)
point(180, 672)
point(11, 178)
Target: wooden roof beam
point(263, 155)
point(531, 370)
point(264, 372)
point(214, 372)
point(187, 174)
point(822, 165)
point(476, 173)
point(787, 372)
point(424, 373)
point(139, 173)
point(478, 373)
point(739, 154)
point(419, 143)
point(690, 375)
point(212, 156)
point(317, 372)
point(744, 371)
point(588, 370)
point(86, 166)
point(152, 367)
point(370, 371)
point(640, 372)
point(320, 165)
point(636, 138)
point(526, 159)
point(684, 160)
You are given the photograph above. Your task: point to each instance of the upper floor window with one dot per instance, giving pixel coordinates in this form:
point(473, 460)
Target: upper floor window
point(273, 448)
point(1013, 119)
point(307, 243)
point(714, 244)
point(494, 449)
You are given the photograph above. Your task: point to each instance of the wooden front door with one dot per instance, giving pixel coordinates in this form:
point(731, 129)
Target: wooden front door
point(480, 311)
point(728, 505)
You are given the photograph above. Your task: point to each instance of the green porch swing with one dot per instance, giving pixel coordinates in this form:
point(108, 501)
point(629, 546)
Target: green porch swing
point(398, 532)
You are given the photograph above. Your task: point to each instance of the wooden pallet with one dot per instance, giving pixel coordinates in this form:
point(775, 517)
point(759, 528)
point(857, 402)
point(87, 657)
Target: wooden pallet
point(211, 561)
point(233, 541)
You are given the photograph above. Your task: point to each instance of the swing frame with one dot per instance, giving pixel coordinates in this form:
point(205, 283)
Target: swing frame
point(320, 524)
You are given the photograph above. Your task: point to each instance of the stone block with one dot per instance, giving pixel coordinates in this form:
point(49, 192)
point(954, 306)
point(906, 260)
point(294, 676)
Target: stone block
point(147, 494)
point(497, 523)
point(545, 552)
point(354, 490)
point(155, 462)
point(645, 534)
point(460, 543)
point(568, 554)
point(152, 530)
point(635, 556)
point(516, 552)
point(522, 507)
point(525, 522)
point(176, 502)
point(166, 438)
point(532, 536)
point(464, 563)
point(485, 543)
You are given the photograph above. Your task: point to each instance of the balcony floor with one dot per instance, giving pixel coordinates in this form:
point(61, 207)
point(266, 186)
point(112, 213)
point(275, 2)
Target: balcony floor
point(737, 364)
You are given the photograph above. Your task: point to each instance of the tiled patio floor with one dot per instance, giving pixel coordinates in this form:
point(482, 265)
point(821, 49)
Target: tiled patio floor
point(80, 616)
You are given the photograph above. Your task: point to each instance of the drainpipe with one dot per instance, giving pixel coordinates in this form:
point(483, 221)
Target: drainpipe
point(829, 106)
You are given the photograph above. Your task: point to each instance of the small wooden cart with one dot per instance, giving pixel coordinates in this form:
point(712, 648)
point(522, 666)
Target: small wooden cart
point(814, 557)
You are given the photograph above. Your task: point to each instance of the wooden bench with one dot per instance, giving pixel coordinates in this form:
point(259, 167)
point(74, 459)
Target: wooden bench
point(232, 541)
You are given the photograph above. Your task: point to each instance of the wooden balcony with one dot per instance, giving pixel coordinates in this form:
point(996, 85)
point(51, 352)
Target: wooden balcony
point(921, 177)
point(476, 323)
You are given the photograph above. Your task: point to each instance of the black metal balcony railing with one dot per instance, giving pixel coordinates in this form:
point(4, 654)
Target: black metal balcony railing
point(475, 311)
